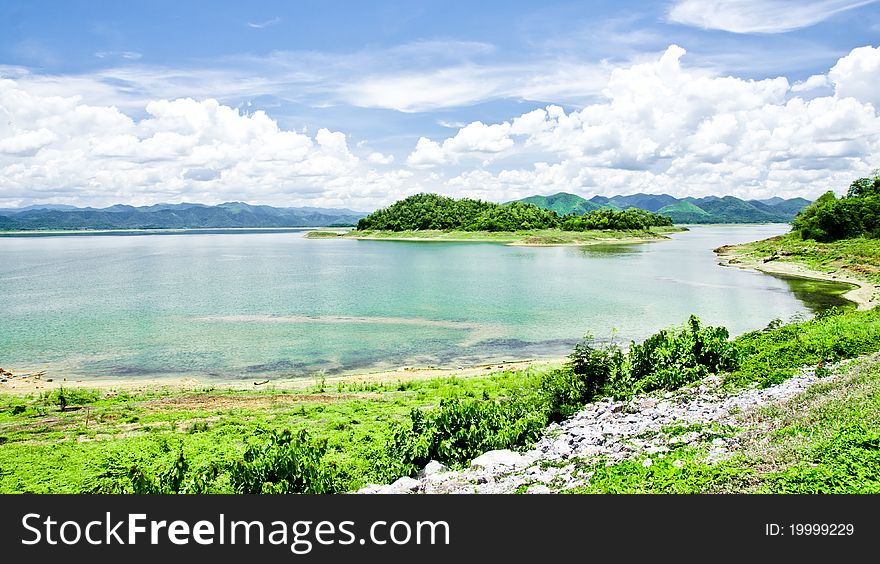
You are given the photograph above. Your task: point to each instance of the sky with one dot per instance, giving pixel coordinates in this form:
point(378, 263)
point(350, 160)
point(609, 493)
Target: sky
point(358, 104)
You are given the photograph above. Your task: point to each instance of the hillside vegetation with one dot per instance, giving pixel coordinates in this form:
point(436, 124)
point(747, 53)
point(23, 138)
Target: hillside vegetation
point(173, 216)
point(855, 215)
point(710, 209)
point(434, 212)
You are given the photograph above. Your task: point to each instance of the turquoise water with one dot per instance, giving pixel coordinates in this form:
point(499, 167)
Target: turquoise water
point(246, 305)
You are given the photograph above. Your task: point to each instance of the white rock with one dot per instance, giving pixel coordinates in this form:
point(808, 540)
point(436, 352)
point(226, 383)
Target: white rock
point(375, 489)
point(431, 468)
point(647, 463)
point(539, 489)
point(499, 458)
point(405, 484)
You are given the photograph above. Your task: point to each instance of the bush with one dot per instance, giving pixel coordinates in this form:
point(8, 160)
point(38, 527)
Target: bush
point(666, 360)
point(176, 479)
point(590, 372)
point(772, 355)
point(70, 396)
point(460, 430)
point(669, 360)
point(287, 463)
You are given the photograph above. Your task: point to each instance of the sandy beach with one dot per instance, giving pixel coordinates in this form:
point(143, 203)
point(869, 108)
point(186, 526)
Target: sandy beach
point(21, 385)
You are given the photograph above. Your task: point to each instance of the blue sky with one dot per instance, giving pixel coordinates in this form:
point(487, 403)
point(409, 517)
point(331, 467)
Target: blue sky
point(228, 100)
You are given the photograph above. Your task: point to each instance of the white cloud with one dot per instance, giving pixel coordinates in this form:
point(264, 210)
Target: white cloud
point(264, 24)
point(426, 153)
point(812, 83)
point(857, 75)
point(127, 55)
point(58, 149)
point(666, 128)
point(758, 16)
point(379, 158)
point(657, 126)
point(473, 139)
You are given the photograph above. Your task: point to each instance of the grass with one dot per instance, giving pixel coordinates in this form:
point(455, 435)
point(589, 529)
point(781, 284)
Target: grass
point(44, 450)
point(858, 257)
point(826, 440)
point(773, 355)
point(529, 237)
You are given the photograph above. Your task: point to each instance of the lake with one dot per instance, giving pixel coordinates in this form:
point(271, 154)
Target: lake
point(266, 305)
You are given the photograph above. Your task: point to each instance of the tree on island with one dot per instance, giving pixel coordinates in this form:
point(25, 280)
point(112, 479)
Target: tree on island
point(432, 211)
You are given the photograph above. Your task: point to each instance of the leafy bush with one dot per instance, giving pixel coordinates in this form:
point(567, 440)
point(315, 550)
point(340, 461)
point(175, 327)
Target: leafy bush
point(774, 354)
point(459, 430)
point(287, 463)
point(176, 479)
point(591, 372)
point(70, 396)
point(669, 360)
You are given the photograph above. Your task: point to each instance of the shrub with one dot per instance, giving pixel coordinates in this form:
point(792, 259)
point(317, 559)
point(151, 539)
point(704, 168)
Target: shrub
point(459, 430)
point(590, 372)
point(669, 359)
point(176, 479)
point(71, 396)
point(770, 356)
point(287, 463)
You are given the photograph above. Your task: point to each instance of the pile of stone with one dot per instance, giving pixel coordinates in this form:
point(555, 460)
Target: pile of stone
point(612, 431)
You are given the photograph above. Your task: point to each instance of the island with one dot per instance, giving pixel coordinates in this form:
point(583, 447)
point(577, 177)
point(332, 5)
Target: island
point(431, 217)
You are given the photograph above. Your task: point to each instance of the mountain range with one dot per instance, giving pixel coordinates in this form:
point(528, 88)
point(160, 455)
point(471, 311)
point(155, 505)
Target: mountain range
point(173, 216)
point(710, 209)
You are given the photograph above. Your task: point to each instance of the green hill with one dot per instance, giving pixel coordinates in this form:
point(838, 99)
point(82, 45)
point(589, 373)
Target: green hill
point(649, 202)
point(708, 209)
point(685, 212)
point(173, 216)
point(563, 203)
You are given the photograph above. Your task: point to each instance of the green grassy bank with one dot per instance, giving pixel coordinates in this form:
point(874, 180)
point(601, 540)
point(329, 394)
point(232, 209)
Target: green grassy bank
point(216, 440)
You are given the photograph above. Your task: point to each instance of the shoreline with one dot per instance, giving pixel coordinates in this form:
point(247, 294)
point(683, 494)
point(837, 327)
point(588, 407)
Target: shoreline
point(865, 295)
point(158, 231)
point(20, 385)
point(539, 238)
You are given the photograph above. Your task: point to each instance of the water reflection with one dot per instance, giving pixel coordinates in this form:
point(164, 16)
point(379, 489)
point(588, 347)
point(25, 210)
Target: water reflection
point(611, 249)
point(817, 294)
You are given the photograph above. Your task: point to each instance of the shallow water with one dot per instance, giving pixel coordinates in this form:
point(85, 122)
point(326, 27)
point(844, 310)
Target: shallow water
point(246, 305)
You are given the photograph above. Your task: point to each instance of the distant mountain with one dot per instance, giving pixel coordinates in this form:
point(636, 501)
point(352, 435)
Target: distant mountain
point(173, 216)
point(685, 212)
point(563, 203)
point(708, 209)
point(9, 211)
point(649, 202)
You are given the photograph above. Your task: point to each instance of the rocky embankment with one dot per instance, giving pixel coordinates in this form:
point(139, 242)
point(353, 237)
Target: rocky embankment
point(612, 431)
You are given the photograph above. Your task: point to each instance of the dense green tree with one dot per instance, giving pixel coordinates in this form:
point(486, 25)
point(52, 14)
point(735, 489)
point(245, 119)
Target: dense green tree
point(431, 211)
point(855, 215)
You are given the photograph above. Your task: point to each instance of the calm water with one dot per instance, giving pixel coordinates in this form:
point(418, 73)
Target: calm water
point(276, 304)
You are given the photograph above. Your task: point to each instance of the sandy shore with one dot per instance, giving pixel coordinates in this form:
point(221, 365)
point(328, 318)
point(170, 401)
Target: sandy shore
point(27, 384)
point(865, 295)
